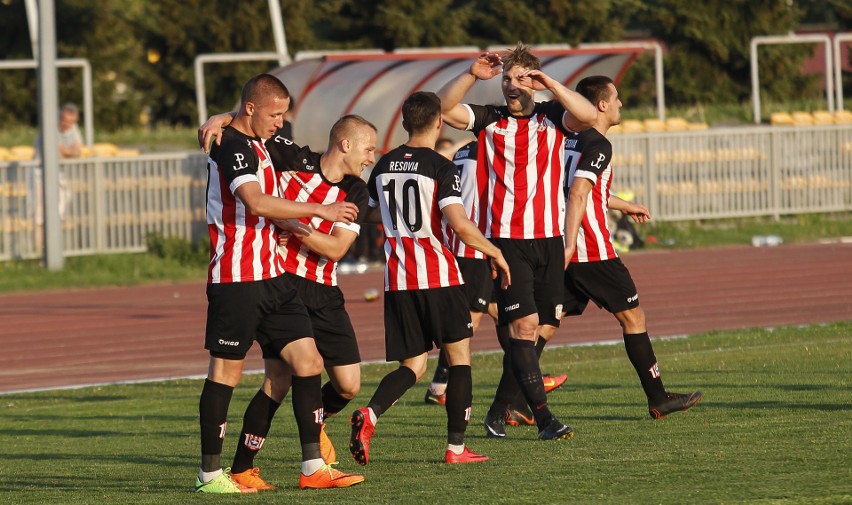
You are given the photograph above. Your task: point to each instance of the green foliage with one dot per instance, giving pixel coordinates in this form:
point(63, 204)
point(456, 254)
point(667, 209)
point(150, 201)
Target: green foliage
point(773, 428)
point(178, 249)
point(142, 53)
point(792, 229)
point(98, 270)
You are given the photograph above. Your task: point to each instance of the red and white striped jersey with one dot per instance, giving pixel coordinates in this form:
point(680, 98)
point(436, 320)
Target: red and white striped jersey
point(411, 185)
point(588, 155)
point(302, 180)
point(242, 245)
point(524, 159)
point(471, 193)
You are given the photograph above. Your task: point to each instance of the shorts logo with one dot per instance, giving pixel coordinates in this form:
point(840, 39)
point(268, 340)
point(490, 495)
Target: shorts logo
point(512, 307)
point(481, 301)
point(254, 442)
point(655, 371)
point(470, 325)
point(633, 298)
point(558, 312)
point(232, 343)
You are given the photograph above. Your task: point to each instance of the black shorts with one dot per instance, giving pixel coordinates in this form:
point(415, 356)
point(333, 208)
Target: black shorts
point(416, 318)
point(478, 286)
point(537, 267)
point(607, 283)
point(238, 313)
point(333, 331)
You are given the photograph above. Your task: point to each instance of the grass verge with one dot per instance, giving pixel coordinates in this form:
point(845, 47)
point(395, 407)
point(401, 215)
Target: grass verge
point(775, 427)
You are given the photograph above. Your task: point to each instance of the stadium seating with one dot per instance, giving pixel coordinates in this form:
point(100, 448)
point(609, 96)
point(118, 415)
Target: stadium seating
point(654, 125)
point(104, 149)
point(781, 119)
point(802, 118)
point(842, 117)
point(21, 153)
point(822, 117)
point(676, 124)
point(632, 126)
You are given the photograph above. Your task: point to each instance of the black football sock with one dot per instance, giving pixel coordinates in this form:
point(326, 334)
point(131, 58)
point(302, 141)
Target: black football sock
point(508, 388)
point(213, 413)
point(539, 346)
point(527, 373)
point(459, 399)
point(641, 354)
point(391, 389)
point(508, 392)
point(307, 407)
point(332, 402)
point(517, 396)
point(256, 423)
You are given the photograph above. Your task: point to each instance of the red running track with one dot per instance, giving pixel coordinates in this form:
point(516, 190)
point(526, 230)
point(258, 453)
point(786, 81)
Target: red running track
point(93, 336)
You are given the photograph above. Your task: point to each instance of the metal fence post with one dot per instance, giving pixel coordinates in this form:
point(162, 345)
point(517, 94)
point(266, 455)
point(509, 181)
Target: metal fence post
point(654, 204)
point(100, 243)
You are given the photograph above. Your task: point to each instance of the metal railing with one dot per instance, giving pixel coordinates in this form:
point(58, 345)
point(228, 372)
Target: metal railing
point(107, 204)
point(112, 204)
point(737, 172)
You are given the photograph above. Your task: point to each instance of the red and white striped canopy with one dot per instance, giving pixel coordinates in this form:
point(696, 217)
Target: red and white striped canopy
point(375, 85)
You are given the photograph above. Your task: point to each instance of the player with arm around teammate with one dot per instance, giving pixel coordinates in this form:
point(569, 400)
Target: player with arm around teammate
point(248, 297)
point(418, 193)
point(593, 269)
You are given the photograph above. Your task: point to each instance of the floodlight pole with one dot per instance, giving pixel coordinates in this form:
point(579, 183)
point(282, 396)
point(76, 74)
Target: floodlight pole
point(48, 93)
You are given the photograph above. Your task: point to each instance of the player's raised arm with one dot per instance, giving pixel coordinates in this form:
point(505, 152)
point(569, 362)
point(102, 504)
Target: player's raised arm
point(451, 94)
point(213, 128)
point(579, 112)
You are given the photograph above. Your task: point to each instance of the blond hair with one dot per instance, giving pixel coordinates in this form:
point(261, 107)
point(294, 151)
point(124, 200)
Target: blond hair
point(521, 56)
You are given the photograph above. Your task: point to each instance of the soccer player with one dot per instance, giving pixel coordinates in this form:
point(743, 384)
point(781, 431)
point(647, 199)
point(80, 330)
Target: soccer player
point(311, 252)
point(522, 144)
point(418, 193)
point(594, 270)
point(248, 298)
point(479, 290)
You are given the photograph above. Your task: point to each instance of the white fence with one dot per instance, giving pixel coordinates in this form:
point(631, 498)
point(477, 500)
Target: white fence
point(113, 203)
point(110, 204)
point(735, 172)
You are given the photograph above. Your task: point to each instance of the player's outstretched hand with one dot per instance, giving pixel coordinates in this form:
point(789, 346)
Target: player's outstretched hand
point(499, 266)
point(344, 212)
point(638, 212)
point(487, 66)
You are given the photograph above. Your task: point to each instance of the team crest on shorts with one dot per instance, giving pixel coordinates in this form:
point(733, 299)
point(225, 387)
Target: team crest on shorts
point(558, 313)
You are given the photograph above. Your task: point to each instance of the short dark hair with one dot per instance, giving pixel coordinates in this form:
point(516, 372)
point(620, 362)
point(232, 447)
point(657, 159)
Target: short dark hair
point(420, 110)
point(521, 56)
point(595, 88)
point(345, 127)
point(261, 87)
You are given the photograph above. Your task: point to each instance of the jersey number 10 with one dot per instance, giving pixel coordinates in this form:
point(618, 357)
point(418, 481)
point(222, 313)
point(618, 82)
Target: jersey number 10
point(411, 211)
